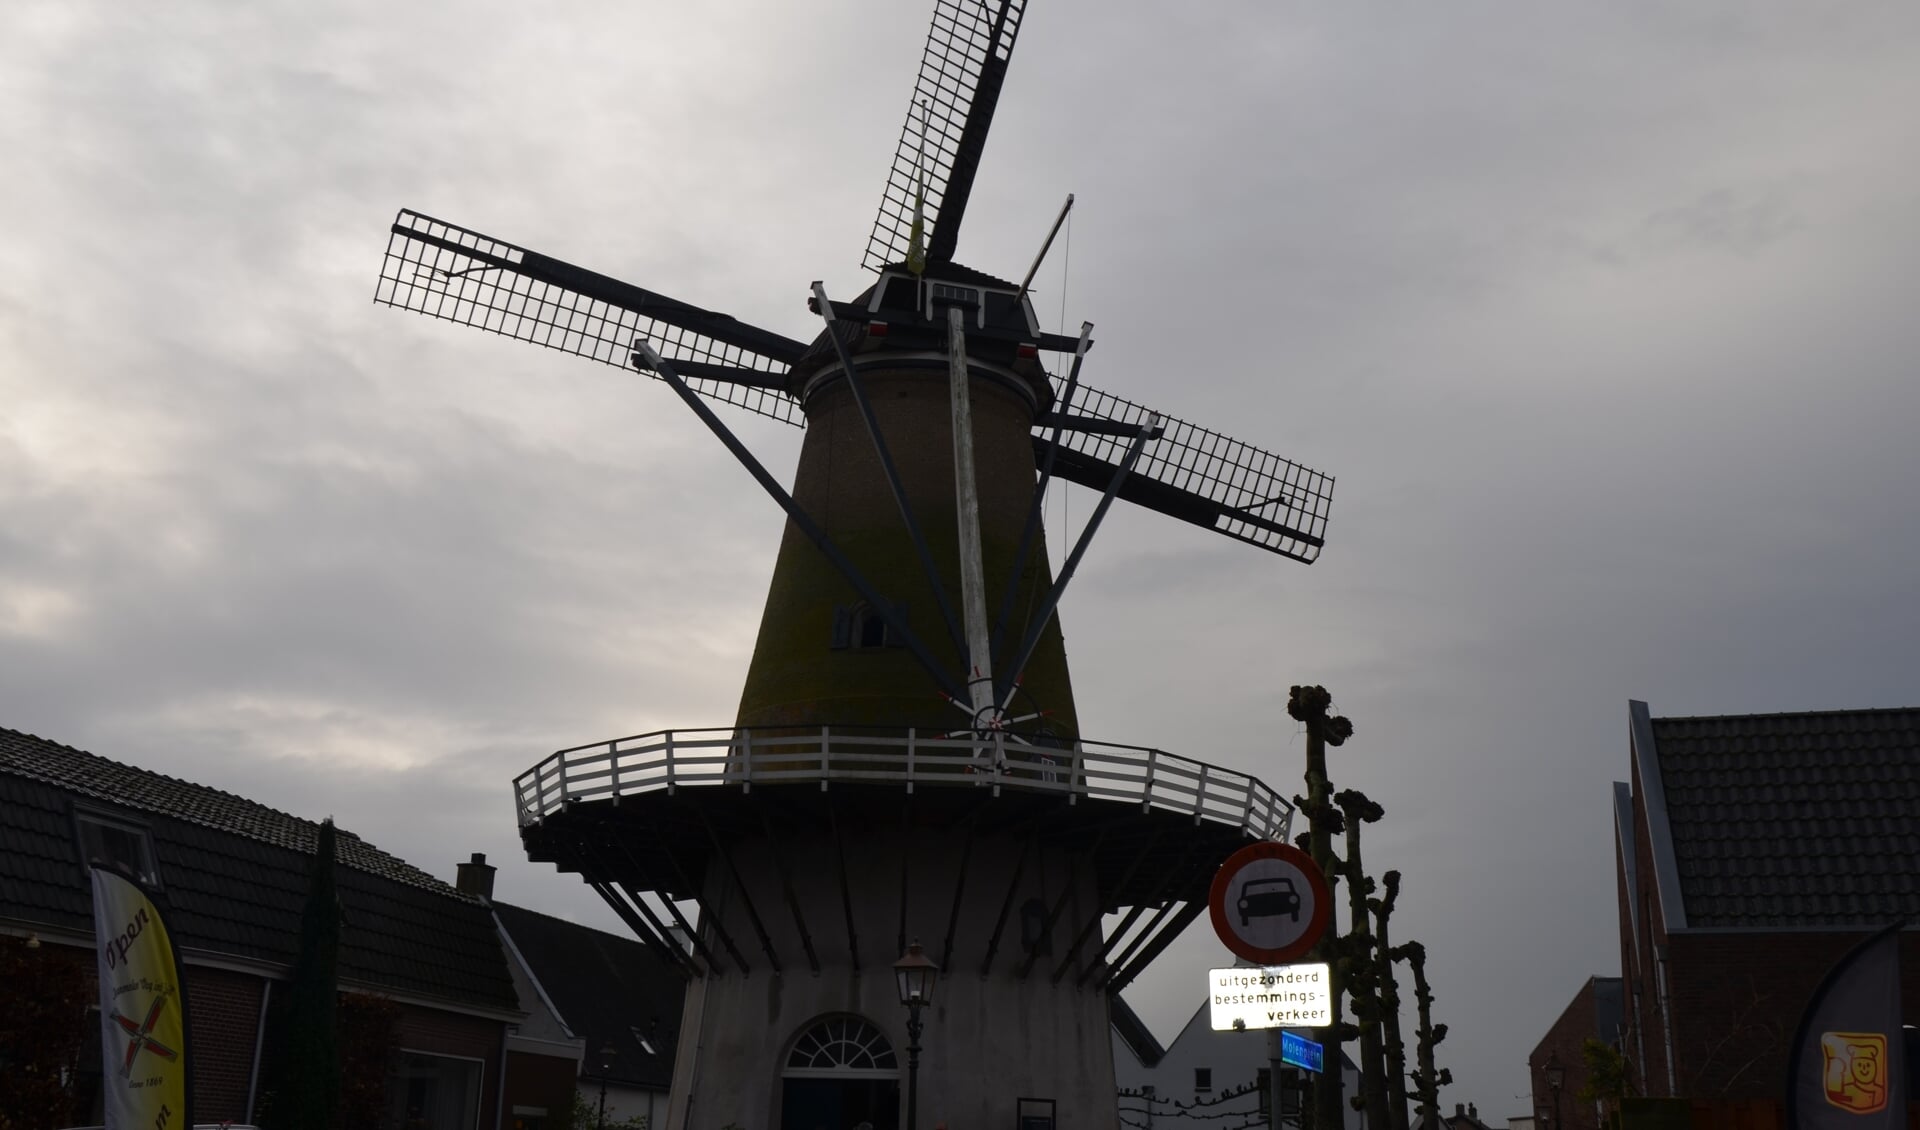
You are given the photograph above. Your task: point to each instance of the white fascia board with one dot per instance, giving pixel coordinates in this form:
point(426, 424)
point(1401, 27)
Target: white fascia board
point(1627, 858)
point(1653, 798)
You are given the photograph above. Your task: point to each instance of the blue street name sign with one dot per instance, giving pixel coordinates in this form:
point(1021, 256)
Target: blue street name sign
point(1302, 1052)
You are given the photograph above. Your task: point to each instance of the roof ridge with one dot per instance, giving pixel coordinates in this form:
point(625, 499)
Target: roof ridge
point(390, 866)
point(1788, 714)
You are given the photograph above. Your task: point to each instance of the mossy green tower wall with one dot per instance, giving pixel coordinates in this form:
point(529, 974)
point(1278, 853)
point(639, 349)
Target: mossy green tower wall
point(797, 677)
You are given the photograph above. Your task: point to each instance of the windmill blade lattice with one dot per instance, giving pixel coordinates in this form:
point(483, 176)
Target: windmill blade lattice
point(1196, 475)
point(448, 272)
point(968, 47)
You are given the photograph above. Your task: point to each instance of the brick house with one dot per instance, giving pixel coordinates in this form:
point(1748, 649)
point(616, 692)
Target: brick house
point(232, 877)
point(1594, 1013)
point(1752, 851)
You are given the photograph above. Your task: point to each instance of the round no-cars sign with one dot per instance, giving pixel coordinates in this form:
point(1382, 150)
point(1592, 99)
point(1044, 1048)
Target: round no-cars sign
point(1270, 904)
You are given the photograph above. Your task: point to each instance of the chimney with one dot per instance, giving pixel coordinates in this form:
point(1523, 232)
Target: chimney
point(475, 877)
point(1459, 1109)
point(1473, 1112)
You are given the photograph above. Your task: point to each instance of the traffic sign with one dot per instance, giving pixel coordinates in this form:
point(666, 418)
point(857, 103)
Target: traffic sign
point(1269, 902)
point(1274, 996)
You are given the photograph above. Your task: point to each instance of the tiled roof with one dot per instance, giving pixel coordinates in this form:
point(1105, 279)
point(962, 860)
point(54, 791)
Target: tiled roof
point(1794, 820)
point(233, 877)
point(77, 771)
point(609, 991)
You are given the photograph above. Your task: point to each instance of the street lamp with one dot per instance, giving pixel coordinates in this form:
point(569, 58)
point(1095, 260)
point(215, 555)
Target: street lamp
point(1556, 1075)
point(606, 1065)
point(916, 973)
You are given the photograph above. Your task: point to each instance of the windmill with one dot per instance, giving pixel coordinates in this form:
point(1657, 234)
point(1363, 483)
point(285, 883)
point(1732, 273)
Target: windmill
point(906, 762)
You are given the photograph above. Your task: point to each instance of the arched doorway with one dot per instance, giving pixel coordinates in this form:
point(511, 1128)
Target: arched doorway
point(841, 1072)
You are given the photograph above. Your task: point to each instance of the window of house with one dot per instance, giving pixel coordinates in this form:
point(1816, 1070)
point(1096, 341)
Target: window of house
point(114, 841)
point(434, 1092)
point(1203, 1078)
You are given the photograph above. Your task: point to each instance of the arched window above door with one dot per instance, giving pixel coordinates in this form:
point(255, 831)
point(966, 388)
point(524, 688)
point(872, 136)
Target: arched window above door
point(842, 1045)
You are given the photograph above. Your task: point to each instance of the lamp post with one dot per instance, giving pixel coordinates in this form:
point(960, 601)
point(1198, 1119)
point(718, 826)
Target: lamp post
point(1556, 1075)
point(606, 1065)
point(916, 973)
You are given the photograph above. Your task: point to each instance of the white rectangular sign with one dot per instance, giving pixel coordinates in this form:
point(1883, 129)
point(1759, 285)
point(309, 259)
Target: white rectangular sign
point(1274, 996)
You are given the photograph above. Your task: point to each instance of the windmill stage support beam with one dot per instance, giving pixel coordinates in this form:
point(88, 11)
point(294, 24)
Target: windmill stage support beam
point(887, 467)
point(1093, 920)
point(666, 935)
point(906, 836)
point(1006, 905)
point(801, 519)
point(1160, 942)
point(1126, 955)
point(1032, 527)
point(786, 887)
point(1052, 601)
point(700, 946)
point(846, 891)
point(959, 888)
point(660, 947)
point(1059, 904)
point(706, 912)
point(1159, 898)
point(746, 896)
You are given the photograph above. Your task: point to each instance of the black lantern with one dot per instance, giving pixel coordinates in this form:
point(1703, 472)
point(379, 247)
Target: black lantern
point(916, 973)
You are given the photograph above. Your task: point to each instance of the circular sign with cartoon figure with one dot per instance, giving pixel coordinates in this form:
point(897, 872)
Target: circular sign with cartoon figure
point(1270, 904)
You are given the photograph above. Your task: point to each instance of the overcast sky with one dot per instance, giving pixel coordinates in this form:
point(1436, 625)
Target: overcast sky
point(1604, 318)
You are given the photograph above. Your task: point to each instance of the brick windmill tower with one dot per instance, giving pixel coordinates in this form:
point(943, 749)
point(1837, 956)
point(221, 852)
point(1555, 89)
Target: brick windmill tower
point(906, 764)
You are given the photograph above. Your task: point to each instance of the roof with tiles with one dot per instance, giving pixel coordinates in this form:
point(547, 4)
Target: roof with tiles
point(233, 877)
point(610, 991)
point(1794, 820)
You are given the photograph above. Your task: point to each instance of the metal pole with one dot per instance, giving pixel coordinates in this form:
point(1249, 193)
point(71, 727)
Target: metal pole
point(966, 488)
point(913, 1065)
point(1273, 1078)
point(1044, 246)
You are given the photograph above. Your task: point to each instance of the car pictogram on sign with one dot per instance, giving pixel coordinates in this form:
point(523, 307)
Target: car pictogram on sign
point(1262, 898)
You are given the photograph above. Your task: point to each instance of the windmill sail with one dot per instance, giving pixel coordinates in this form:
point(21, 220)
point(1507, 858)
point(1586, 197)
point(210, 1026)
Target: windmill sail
point(1193, 474)
point(449, 272)
point(968, 48)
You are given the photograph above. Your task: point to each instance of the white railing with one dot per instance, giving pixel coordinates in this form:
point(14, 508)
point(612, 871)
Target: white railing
point(674, 759)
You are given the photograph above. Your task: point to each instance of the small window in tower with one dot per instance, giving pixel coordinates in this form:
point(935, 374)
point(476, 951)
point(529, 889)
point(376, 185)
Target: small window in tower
point(1203, 1078)
point(859, 626)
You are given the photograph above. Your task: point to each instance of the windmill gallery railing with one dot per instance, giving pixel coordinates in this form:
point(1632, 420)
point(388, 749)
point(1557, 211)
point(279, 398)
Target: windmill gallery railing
point(744, 757)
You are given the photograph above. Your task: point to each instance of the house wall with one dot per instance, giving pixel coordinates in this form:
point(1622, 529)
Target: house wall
point(454, 1034)
point(1738, 998)
point(539, 1089)
point(1564, 1041)
point(1235, 1060)
point(224, 1009)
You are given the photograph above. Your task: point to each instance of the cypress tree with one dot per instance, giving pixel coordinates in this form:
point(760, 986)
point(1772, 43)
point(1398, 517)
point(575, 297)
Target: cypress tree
point(307, 1093)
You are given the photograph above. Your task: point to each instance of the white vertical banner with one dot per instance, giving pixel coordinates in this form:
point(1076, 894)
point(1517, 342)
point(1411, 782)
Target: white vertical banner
point(143, 1019)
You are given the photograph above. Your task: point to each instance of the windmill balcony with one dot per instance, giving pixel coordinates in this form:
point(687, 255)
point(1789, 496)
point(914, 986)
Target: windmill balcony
point(743, 758)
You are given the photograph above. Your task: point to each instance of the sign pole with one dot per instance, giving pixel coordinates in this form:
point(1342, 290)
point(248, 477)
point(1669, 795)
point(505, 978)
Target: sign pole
point(1273, 1078)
